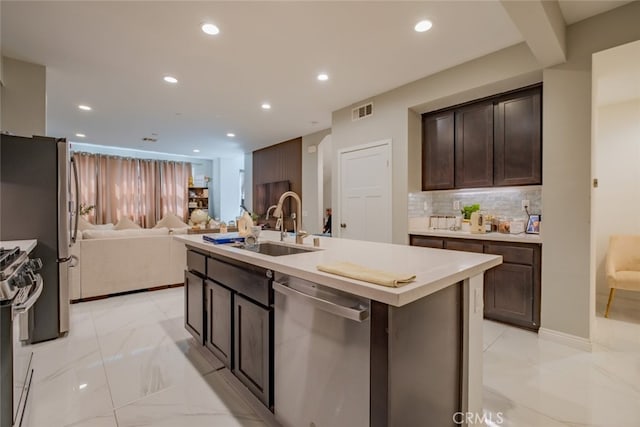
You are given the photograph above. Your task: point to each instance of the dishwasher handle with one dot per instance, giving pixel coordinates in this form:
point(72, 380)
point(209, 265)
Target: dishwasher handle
point(357, 313)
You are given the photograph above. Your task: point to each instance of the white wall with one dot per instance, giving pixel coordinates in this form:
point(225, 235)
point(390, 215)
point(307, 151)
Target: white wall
point(395, 116)
point(248, 180)
point(617, 160)
point(230, 187)
point(311, 223)
point(566, 296)
point(327, 148)
point(615, 154)
point(24, 102)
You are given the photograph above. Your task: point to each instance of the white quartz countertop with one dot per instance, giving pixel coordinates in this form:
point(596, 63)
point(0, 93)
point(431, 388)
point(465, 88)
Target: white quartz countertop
point(435, 269)
point(25, 245)
point(500, 237)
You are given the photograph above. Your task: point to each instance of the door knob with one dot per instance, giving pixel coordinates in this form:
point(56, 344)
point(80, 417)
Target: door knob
point(343, 225)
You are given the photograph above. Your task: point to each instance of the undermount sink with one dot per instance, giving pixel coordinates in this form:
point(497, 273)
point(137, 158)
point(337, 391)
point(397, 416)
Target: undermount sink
point(275, 249)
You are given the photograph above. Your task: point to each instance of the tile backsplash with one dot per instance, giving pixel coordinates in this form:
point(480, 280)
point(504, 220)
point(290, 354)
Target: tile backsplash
point(505, 201)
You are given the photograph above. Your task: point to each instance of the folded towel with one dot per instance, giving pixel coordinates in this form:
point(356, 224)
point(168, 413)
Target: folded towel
point(359, 272)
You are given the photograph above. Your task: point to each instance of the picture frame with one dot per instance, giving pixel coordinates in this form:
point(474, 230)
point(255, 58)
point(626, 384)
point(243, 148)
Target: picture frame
point(533, 224)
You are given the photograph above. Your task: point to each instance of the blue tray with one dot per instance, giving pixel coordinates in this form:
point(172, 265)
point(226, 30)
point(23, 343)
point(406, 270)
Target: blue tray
point(221, 238)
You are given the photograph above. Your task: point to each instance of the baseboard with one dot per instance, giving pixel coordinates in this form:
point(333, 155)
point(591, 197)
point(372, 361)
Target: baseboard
point(566, 339)
point(133, 291)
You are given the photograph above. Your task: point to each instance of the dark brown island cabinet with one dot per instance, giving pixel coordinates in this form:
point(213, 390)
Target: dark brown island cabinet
point(512, 289)
point(496, 141)
point(228, 309)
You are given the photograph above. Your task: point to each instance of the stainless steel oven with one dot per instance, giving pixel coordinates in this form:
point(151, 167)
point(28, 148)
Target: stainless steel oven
point(20, 287)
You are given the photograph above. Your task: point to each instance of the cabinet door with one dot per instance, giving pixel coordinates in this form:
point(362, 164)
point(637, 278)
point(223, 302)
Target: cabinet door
point(474, 146)
point(219, 312)
point(194, 305)
point(518, 141)
point(509, 294)
point(437, 151)
point(427, 242)
point(463, 245)
point(253, 348)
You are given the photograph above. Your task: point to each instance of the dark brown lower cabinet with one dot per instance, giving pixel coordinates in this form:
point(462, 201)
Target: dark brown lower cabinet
point(253, 347)
point(508, 294)
point(426, 242)
point(194, 305)
point(512, 289)
point(464, 245)
point(219, 315)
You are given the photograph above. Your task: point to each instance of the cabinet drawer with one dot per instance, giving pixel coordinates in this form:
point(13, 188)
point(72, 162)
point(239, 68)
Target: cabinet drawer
point(427, 242)
point(250, 282)
point(512, 254)
point(196, 262)
point(456, 245)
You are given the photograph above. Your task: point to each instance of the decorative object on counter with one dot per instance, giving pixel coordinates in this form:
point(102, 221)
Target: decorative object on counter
point(516, 226)
point(469, 209)
point(190, 181)
point(245, 223)
point(198, 216)
point(223, 227)
point(359, 272)
point(533, 224)
point(443, 222)
point(477, 223)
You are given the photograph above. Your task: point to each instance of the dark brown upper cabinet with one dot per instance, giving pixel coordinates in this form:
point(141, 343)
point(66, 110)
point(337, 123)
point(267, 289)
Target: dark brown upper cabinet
point(517, 141)
point(438, 151)
point(474, 146)
point(495, 141)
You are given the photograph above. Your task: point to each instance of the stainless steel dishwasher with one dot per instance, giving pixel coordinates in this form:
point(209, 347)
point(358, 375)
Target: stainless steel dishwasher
point(321, 346)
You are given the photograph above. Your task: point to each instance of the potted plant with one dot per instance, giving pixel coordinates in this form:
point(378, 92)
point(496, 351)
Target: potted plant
point(86, 209)
point(469, 209)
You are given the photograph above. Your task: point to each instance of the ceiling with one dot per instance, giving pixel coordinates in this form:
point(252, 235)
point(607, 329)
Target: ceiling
point(113, 55)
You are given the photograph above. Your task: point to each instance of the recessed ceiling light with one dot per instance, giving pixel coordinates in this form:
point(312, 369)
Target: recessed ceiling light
point(80, 135)
point(210, 29)
point(231, 135)
point(170, 79)
point(84, 107)
point(195, 150)
point(323, 77)
point(266, 106)
point(423, 26)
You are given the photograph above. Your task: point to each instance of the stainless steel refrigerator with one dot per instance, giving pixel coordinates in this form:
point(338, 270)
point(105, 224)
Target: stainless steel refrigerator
point(35, 203)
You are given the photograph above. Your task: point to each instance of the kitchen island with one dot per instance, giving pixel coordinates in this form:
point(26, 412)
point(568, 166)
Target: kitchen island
point(410, 355)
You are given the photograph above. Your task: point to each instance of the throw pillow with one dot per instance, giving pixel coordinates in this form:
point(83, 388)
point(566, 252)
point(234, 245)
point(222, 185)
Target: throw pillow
point(125, 223)
point(171, 220)
point(83, 224)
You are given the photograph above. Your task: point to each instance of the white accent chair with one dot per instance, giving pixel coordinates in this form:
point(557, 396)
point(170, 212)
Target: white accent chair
point(623, 265)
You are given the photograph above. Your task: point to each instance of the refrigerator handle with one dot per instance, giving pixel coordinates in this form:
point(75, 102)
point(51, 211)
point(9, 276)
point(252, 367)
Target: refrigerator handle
point(77, 205)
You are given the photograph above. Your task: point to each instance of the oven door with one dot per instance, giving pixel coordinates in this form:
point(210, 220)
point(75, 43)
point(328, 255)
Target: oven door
point(15, 366)
point(22, 374)
point(22, 354)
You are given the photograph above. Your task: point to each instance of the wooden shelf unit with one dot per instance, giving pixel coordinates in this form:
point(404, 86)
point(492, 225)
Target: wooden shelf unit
point(198, 199)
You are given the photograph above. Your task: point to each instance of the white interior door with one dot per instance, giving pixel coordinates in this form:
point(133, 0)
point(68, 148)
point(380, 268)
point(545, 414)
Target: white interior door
point(365, 193)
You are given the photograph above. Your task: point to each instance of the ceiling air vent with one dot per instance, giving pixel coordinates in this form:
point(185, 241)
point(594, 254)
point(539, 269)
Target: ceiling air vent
point(362, 111)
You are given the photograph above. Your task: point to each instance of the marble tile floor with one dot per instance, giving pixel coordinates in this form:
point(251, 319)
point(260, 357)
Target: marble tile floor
point(128, 361)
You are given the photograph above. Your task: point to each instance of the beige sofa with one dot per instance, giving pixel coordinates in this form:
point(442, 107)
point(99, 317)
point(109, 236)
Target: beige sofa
point(114, 261)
